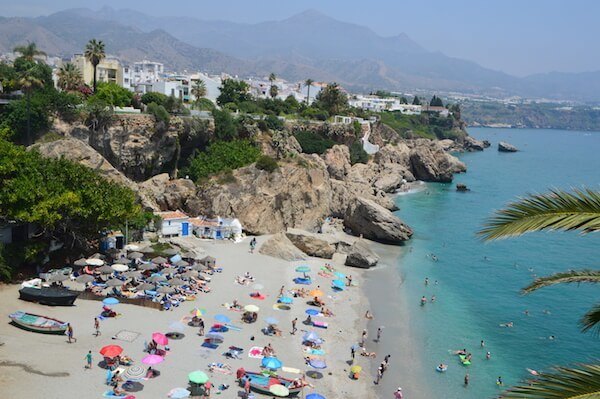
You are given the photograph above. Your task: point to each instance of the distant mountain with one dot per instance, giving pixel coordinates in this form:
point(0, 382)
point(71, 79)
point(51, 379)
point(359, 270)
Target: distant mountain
point(309, 44)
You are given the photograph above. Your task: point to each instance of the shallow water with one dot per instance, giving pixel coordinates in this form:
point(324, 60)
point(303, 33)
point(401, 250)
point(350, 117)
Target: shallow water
point(478, 283)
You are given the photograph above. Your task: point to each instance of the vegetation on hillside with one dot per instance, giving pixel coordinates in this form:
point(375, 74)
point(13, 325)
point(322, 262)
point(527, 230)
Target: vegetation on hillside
point(425, 125)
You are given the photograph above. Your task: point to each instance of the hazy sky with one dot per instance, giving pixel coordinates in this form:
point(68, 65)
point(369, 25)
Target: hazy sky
point(516, 36)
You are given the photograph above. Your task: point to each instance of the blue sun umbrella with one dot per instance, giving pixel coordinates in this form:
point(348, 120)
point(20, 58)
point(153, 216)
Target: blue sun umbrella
point(285, 299)
point(221, 318)
point(311, 336)
point(339, 275)
point(271, 363)
point(315, 396)
point(318, 364)
point(110, 301)
point(338, 283)
point(312, 312)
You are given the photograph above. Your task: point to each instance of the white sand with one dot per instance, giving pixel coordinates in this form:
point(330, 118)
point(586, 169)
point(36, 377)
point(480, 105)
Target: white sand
point(52, 354)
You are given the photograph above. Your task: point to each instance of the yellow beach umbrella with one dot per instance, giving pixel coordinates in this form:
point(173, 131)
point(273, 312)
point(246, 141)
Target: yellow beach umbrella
point(251, 308)
point(316, 292)
point(356, 369)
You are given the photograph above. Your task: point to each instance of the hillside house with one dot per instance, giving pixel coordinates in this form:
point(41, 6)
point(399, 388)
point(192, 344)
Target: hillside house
point(174, 224)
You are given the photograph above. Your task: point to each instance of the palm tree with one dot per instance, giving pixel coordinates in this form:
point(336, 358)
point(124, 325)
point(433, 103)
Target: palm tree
point(272, 77)
point(94, 52)
point(29, 52)
point(563, 211)
point(273, 90)
point(308, 83)
point(29, 82)
point(199, 90)
point(69, 77)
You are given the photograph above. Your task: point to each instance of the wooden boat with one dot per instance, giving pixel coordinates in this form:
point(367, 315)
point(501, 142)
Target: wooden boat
point(37, 323)
point(54, 296)
point(261, 382)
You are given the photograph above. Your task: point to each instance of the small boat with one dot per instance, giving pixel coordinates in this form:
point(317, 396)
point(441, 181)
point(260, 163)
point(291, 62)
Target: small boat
point(261, 382)
point(53, 296)
point(37, 323)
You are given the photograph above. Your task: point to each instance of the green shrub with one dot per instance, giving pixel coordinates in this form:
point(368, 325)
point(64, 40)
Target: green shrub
point(273, 122)
point(225, 126)
point(204, 104)
point(159, 112)
point(358, 154)
point(113, 94)
point(313, 143)
point(267, 163)
point(315, 113)
point(154, 97)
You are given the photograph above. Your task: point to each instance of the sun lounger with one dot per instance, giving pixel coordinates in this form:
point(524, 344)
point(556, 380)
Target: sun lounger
point(209, 345)
point(320, 324)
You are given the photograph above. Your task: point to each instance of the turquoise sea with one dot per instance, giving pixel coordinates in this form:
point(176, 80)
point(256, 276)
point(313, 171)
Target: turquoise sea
point(478, 283)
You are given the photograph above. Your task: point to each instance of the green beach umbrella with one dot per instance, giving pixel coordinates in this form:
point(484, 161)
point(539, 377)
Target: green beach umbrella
point(279, 390)
point(198, 377)
point(303, 269)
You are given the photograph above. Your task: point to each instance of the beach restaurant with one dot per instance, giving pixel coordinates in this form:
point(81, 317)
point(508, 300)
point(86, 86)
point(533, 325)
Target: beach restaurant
point(218, 228)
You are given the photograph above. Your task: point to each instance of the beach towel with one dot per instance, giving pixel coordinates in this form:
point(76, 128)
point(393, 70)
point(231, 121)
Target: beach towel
point(111, 394)
point(233, 328)
point(320, 324)
point(326, 275)
point(315, 352)
point(209, 345)
point(256, 352)
point(303, 281)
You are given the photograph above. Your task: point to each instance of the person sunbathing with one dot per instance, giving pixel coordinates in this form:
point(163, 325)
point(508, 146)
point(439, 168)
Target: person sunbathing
point(236, 304)
point(248, 276)
point(241, 280)
point(368, 354)
point(318, 301)
point(328, 313)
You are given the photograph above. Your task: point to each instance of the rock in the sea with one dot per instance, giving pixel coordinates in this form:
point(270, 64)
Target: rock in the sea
point(431, 163)
point(461, 187)
point(376, 223)
point(361, 255)
point(472, 144)
point(310, 243)
point(279, 246)
point(506, 147)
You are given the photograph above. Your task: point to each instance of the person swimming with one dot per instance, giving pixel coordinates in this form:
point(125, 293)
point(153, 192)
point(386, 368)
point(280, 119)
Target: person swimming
point(508, 325)
point(423, 300)
point(488, 355)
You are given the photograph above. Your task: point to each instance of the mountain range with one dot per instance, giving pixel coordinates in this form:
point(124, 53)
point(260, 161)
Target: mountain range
point(309, 44)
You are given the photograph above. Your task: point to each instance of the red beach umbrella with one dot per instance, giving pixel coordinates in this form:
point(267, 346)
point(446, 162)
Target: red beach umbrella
point(111, 351)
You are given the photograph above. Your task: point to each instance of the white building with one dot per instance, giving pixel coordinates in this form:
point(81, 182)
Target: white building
point(379, 104)
point(174, 224)
point(218, 229)
point(212, 83)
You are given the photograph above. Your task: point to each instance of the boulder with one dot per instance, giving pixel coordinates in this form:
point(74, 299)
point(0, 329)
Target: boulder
point(337, 159)
point(361, 255)
point(462, 187)
point(311, 244)
point(472, 144)
point(506, 147)
point(430, 163)
point(169, 194)
point(372, 221)
point(279, 246)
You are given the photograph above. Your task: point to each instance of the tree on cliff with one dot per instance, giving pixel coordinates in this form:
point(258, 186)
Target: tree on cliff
point(436, 102)
point(69, 77)
point(416, 101)
point(332, 99)
point(563, 211)
point(29, 83)
point(273, 90)
point(29, 52)
point(233, 91)
point(94, 52)
point(199, 90)
point(308, 83)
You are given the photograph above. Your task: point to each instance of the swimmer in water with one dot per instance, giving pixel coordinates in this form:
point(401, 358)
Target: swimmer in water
point(552, 337)
point(488, 356)
point(508, 325)
point(423, 300)
point(499, 381)
point(433, 299)
point(546, 311)
point(434, 257)
point(426, 280)
point(526, 312)
point(482, 344)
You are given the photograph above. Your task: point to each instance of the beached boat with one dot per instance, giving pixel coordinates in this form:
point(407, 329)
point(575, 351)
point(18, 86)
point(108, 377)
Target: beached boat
point(260, 383)
point(37, 323)
point(54, 296)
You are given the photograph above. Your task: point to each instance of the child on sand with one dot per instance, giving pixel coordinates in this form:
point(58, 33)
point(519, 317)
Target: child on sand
point(88, 359)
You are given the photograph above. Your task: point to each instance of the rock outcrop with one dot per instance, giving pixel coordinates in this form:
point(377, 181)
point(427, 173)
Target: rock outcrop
point(337, 159)
point(376, 223)
point(279, 246)
point(169, 194)
point(430, 163)
point(311, 244)
point(361, 255)
point(471, 144)
point(506, 147)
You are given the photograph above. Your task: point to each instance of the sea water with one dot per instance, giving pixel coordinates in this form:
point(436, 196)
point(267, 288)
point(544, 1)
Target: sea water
point(477, 285)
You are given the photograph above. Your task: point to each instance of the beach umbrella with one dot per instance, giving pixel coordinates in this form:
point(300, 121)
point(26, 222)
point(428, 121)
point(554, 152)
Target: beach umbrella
point(85, 278)
point(159, 260)
point(271, 320)
point(181, 263)
point(80, 262)
point(303, 269)
point(189, 274)
point(114, 282)
point(251, 308)
point(338, 283)
point(199, 267)
point(132, 247)
point(147, 266)
point(133, 274)
point(318, 364)
point(147, 250)
point(221, 318)
point(179, 393)
point(175, 259)
point(111, 351)
point(157, 278)
point(119, 267)
point(105, 269)
point(271, 363)
point(176, 282)
point(311, 336)
point(110, 301)
point(146, 287)
point(258, 286)
point(170, 251)
point(94, 262)
point(356, 369)
point(285, 299)
point(165, 290)
point(279, 390)
point(160, 338)
point(311, 312)
point(58, 277)
point(198, 312)
point(188, 255)
point(134, 373)
point(208, 261)
point(151, 360)
point(135, 255)
point(198, 377)
point(214, 337)
point(315, 396)
point(316, 292)
point(339, 275)
point(177, 326)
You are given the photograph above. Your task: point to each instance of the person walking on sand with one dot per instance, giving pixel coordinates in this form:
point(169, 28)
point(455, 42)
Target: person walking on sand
point(97, 326)
point(363, 338)
point(247, 387)
point(379, 331)
point(294, 329)
point(201, 327)
point(379, 375)
point(398, 394)
point(281, 290)
point(70, 337)
point(352, 352)
point(88, 359)
point(252, 244)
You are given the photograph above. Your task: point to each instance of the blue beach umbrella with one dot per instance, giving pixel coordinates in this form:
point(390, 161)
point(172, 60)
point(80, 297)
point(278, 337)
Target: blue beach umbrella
point(110, 301)
point(318, 364)
point(271, 363)
point(338, 283)
point(179, 393)
point(338, 275)
point(303, 269)
point(312, 312)
point(221, 318)
point(271, 320)
point(285, 299)
point(311, 336)
point(315, 396)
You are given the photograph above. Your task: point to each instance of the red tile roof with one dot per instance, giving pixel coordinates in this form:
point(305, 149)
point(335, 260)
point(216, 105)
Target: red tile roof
point(172, 215)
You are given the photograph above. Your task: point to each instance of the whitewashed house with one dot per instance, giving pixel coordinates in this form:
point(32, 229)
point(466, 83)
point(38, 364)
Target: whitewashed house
point(218, 229)
point(174, 224)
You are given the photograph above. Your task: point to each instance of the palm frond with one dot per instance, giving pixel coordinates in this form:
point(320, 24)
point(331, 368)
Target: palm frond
point(556, 210)
point(591, 320)
point(572, 276)
point(582, 382)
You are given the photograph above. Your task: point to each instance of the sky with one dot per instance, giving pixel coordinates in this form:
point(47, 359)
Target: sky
point(519, 37)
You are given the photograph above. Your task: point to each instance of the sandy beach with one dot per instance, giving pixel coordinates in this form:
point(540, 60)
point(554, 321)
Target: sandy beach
point(35, 365)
